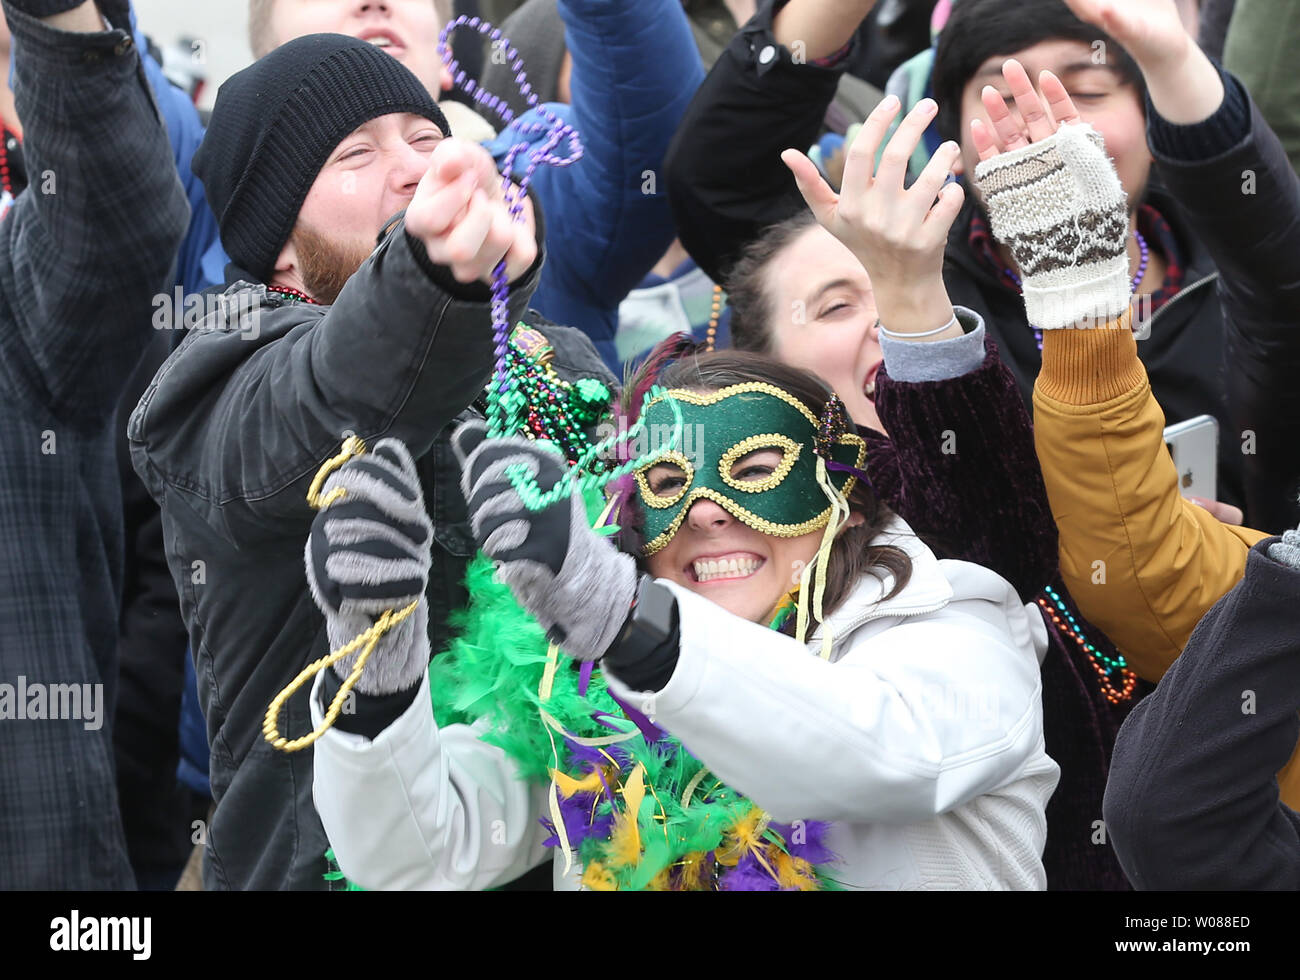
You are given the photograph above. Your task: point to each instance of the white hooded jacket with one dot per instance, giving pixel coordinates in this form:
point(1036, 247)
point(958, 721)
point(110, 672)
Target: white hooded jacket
point(921, 738)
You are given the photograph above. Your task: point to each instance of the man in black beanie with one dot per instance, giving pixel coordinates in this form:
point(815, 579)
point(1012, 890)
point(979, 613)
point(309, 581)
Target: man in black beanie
point(312, 153)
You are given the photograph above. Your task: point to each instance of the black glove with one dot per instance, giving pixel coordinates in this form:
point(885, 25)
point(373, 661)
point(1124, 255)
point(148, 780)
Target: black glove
point(575, 583)
point(369, 552)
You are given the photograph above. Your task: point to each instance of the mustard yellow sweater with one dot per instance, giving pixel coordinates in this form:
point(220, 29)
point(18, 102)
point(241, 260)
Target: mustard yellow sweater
point(1142, 563)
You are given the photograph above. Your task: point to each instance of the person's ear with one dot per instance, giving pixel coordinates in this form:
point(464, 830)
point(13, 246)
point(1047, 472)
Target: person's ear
point(856, 519)
point(286, 263)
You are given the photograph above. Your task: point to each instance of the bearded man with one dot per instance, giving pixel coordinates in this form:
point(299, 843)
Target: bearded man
point(312, 152)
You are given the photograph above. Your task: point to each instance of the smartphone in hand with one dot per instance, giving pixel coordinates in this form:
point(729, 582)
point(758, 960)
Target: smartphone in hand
point(1194, 446)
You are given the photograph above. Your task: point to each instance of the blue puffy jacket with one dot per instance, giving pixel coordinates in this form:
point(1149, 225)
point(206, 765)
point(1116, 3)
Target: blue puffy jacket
point(635, 69)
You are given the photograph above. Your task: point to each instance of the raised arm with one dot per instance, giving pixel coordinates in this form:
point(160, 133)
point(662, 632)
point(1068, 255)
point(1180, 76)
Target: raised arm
point(1142, 563)
point(635, 67)
point(726, 182)
point(405, 804)
point(93, 238)
point(970, 482)
point(1229, 172)
point(961, 468)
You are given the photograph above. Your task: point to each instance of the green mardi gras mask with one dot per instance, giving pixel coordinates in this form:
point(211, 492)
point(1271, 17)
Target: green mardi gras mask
point(720, 429)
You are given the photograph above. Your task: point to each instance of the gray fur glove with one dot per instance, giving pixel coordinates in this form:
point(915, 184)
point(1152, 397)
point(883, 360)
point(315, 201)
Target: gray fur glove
point(1287, 551)
point(1059, 206)
point(576, 585)
point(369, 552)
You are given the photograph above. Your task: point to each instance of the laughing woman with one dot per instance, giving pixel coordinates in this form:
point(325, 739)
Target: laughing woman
point(775, 621)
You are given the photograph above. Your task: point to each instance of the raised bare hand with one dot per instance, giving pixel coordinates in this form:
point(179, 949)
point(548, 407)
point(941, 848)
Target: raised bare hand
point(898, 233)
point(1039, 119)
point(460, 213)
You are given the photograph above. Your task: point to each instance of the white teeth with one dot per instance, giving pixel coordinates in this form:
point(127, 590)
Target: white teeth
point(708, 569)
point(869, 389)
point(380, 42)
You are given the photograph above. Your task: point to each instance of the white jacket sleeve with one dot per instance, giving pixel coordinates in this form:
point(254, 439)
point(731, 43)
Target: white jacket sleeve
point(423, 808)
point(910, 721)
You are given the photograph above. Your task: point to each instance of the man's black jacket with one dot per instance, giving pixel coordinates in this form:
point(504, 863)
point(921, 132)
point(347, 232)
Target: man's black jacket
point(228, 437)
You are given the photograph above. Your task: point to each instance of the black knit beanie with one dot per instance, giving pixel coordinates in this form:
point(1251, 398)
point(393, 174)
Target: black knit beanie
point(275, 124)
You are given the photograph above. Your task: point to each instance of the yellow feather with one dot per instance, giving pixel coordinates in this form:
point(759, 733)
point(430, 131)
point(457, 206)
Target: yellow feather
point(792, 872)
point(692, 877)
point(740, 838)
point(567, 785)
point(598, 879)
point(624, 842)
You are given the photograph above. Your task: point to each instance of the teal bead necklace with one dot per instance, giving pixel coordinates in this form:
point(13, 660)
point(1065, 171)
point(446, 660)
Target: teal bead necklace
point(528, 397)
point(1109, 669)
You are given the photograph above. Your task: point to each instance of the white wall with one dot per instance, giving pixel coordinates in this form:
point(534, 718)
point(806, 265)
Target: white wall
point(220, 27)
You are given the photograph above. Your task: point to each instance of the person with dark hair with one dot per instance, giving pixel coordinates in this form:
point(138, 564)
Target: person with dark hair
point(775, 620)
point(763, 101)
point(958, 463)
point(312, 153)
point(80, 257)
point(1144, 563)
point(1204, 768)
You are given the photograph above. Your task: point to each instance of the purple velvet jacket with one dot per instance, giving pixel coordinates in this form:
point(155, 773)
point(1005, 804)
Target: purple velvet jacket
point(959, 466)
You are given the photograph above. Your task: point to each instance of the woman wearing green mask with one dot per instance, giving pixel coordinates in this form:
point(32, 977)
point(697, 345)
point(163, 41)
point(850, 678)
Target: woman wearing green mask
point(843, 708)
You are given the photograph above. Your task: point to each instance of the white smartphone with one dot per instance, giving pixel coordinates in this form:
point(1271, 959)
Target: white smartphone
point(1194, 445)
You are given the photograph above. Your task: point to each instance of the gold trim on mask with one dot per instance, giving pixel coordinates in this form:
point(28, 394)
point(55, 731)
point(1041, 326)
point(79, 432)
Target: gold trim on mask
point(712, 397)
point(652, 499)
point(771, 440)
point(736, 510)
point(741, 514)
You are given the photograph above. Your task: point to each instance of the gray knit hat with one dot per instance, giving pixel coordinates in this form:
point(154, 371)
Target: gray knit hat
point(537, 31)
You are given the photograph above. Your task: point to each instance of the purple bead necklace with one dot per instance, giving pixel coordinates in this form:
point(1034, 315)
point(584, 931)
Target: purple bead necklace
point(1145, 254)
point(557, 131)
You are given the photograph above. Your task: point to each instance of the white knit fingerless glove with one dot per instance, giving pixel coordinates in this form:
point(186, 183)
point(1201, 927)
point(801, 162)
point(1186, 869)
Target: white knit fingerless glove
point(1058, 206)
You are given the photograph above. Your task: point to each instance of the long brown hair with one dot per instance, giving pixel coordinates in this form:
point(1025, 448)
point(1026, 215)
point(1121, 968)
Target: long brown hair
point(852, 554)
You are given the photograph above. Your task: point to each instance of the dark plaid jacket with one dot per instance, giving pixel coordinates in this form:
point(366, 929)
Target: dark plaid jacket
point(82, 252)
